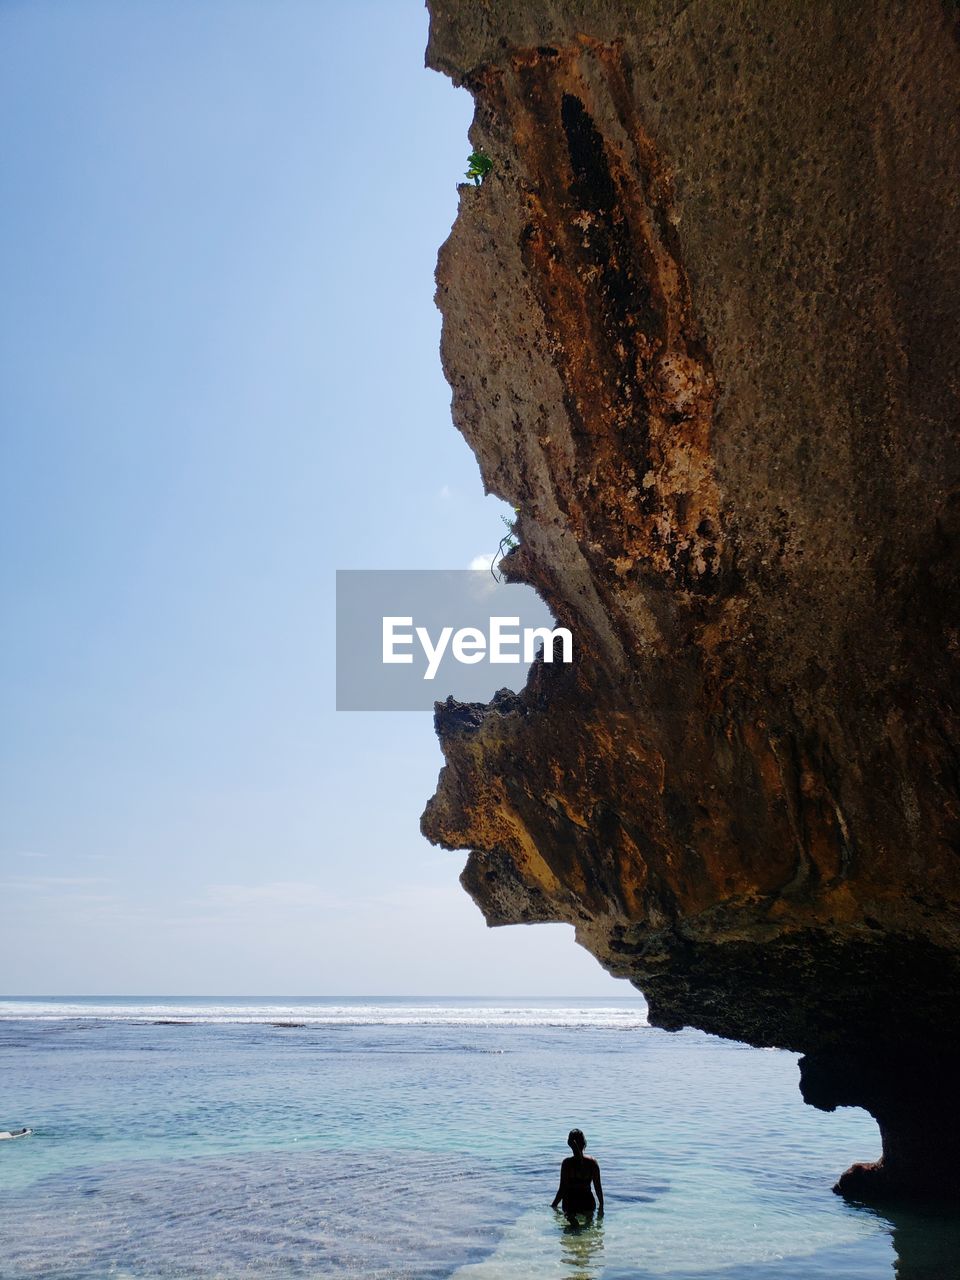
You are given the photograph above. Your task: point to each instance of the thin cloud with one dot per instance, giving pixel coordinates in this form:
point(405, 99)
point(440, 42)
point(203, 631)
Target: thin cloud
point(261, 904)
point(40, 884)
point(291, 895)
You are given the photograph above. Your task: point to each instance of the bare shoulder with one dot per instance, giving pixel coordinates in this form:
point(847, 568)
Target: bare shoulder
point(590, 1160)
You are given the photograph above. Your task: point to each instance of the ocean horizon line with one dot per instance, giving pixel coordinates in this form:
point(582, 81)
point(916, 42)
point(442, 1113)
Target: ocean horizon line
point(330, 1011)
point(167, 995)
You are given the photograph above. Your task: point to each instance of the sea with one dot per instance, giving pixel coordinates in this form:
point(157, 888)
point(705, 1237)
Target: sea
point(208, 1138)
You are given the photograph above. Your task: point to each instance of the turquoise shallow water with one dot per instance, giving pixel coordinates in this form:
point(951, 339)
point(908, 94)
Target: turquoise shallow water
point(420, 1138)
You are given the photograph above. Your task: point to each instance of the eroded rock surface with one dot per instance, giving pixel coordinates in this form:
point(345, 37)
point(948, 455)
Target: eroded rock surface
point(701, 327)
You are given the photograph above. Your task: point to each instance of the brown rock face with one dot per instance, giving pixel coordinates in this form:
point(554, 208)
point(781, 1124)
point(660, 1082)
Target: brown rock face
point(701, 326)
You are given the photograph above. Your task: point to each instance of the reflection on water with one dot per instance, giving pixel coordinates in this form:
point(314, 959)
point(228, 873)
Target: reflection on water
point(581, 1245)
point(926, 1242)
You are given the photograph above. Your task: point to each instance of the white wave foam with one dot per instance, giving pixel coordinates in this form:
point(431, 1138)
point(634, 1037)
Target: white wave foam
point(623, 1015)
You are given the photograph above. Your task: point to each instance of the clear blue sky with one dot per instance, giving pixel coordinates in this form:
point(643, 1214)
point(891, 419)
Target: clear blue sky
point(220, 382)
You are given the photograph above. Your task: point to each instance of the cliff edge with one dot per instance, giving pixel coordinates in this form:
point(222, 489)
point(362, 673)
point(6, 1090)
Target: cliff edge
point(701, 328)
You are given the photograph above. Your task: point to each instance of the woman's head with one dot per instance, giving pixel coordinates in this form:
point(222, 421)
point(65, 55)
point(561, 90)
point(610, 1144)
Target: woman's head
point(576, 1141)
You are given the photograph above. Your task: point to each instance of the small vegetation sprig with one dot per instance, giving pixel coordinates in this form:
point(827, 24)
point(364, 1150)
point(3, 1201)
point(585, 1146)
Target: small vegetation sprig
point(480, 165)
point(509, 542)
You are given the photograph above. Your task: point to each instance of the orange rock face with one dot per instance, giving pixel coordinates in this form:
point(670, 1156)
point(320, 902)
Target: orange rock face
point(702, 327)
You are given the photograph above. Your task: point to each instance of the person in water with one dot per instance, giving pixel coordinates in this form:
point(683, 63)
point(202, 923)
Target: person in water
point(577, 1173)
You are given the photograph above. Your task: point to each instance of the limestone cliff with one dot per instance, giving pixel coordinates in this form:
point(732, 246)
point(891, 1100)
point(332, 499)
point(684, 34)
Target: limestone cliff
point(701, 327)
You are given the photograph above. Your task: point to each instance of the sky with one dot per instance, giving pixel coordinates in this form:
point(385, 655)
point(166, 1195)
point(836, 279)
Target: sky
point(219, 383)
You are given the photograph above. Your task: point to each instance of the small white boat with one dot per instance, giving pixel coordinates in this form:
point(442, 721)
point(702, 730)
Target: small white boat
point(17, 1133)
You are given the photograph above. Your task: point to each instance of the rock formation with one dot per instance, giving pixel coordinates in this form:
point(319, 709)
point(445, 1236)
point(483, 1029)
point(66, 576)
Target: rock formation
point(701, 328)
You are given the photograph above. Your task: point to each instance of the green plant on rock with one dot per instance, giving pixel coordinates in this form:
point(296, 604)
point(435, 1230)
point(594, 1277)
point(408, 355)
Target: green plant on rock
point(480, 165)
point(509, 542)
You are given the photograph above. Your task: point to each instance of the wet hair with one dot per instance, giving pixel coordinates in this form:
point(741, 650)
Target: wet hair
point(575, 1140)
